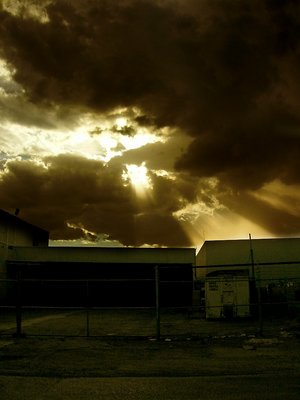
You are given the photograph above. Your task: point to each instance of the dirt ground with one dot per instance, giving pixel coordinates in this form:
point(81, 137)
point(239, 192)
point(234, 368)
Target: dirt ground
point(78, 357)
point(193, 359)
point(135, 323)
point(188, 346)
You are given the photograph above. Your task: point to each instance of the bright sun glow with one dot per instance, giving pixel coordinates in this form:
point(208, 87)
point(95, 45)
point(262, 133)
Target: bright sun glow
point(98, 137)
point(138, 177)
point(141, 138)
point(121, 122)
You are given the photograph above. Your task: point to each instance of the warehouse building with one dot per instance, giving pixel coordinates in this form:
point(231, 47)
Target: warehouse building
point(103, 276)
point(222, 278)
point(94, 276)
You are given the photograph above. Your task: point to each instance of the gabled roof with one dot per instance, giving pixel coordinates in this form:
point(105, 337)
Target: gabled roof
point(13, 219)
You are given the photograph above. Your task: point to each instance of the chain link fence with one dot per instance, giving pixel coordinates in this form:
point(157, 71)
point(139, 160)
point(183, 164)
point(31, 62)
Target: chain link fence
point(150, 307)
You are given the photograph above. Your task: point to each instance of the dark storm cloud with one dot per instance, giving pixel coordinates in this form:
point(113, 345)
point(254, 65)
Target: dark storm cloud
point(247, 156)
point(224, 72)
point(220, 70)
point(97, 55)
point(252, 129)
point(74, 197)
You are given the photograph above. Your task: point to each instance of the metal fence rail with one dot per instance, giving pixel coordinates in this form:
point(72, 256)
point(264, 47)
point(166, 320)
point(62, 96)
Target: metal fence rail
point(22, 313)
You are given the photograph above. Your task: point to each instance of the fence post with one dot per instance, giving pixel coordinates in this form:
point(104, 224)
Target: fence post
point(157, 301)
point(260, 317)
point(87, 310)
point(19, 304)
point(258, 293)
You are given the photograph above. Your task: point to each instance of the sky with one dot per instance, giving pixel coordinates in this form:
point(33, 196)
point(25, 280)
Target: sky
point(151, 122)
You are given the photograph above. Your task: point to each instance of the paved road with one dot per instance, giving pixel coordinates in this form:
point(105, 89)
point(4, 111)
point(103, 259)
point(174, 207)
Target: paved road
point(179, 388)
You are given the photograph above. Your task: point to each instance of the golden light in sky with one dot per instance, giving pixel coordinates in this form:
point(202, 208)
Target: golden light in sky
point(121, 122)
point(138, 177)
point(93, 136)
point(5, 73)
point(132, 120)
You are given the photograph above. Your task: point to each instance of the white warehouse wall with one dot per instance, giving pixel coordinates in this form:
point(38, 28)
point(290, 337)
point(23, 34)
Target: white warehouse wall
point(230, 252)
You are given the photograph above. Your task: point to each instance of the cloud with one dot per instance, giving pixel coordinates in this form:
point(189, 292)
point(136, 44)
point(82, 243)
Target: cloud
point(224, 73)
point(246, 155)
point(74, 197)
point(221, 71)
point(160, 155)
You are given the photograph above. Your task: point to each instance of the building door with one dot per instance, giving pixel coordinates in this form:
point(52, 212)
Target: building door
point(228, 303)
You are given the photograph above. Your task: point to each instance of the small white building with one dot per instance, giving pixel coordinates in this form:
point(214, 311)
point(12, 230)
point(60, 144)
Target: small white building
point(225, 269)
point(227, 296)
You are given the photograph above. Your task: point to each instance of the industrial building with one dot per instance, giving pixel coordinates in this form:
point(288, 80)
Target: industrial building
point(118, 277)
point(94, 276)
point(224, 279)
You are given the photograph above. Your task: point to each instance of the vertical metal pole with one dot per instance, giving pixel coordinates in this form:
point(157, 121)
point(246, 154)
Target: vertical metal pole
point(260, 317)
point(19, 304)
point(87, 310)
point(157, 301)
point(251, 256)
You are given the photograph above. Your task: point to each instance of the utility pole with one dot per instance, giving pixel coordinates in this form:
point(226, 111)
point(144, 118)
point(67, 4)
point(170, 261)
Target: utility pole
point(260, 320)
point(251, 257)
point(157, 301)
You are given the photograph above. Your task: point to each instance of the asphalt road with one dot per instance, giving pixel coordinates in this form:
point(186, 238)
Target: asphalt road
point(232, 387)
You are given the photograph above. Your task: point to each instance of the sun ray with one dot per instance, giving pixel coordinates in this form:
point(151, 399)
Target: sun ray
point(138, 177)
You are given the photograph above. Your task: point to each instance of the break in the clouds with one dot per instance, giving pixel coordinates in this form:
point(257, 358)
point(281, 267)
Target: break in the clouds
point(80, 198)
point(151, 121)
